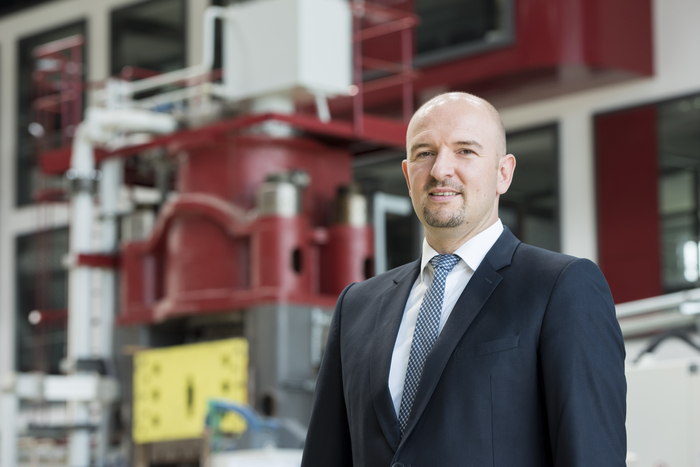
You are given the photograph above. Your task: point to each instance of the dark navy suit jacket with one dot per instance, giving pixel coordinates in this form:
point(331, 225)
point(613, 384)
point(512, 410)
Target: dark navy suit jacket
point(528, 371)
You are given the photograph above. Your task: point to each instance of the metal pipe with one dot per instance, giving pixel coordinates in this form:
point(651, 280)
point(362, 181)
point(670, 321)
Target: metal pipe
point(104, 123)
point(660, 303)
point(172, 96)
point(79, 286)
point(655, 322)
point(109, 187)
point(9, 406)
point(322, 110)
point(210, 16)
point(99, 126)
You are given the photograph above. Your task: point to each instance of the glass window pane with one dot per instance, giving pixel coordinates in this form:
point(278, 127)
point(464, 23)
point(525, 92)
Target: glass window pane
point(679, 269)
point(679, 134)
point(41, 286)
point(29, 178)
point(677, 192)
point(530, 207)
point(679, 176)
point(453, 28)
point(149, 36)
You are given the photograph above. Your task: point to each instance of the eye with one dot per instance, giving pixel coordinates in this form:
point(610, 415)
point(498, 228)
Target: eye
point(466, 151)
point(424, 154)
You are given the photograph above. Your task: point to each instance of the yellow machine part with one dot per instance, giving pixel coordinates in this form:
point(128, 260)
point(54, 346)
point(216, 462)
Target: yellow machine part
point(173, 385)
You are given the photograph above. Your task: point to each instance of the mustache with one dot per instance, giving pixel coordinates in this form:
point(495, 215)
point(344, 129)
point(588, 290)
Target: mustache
point(437, 184)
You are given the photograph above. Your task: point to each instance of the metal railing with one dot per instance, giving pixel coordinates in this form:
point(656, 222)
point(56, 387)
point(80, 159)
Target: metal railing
point(658, 314)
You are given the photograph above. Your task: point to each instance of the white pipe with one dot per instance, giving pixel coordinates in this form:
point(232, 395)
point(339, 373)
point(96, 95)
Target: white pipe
point(322, 110)
point(80, 241)
point(655, 322)
point(172, 96)
point(78, 440)
point(103, 123)
point(164, 79)
point(109, 188)
point(276, 103)
point(100, 126)
point(79, 286)
point(660, 303)
point(210, 16)
point(9, 405)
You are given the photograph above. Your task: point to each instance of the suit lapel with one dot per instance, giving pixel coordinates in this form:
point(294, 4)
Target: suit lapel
point(386, 328)
point(475, 295)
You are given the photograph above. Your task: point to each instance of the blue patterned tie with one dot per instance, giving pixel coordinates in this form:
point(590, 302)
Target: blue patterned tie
point(425, 333)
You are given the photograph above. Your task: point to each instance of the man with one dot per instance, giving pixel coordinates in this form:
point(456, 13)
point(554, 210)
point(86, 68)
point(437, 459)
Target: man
point(484, 352)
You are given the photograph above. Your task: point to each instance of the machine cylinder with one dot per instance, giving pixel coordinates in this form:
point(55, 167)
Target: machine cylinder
point(351, 206)
point(282, 194)
point(277, 198)
point(348, 255)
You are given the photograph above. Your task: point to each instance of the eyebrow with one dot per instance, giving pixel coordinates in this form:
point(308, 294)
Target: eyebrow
point(417, 146)
point(468, 143)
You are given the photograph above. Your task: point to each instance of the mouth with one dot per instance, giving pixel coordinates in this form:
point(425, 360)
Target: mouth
point(443, 193)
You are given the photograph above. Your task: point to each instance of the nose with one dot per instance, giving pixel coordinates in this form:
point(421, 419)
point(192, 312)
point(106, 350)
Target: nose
point(443, 166)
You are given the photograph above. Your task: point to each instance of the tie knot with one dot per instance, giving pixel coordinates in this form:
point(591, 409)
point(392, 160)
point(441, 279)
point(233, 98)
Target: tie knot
point(444, 262)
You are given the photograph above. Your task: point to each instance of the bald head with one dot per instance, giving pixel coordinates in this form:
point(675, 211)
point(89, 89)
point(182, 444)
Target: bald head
point(462, 102)
point(456, 168)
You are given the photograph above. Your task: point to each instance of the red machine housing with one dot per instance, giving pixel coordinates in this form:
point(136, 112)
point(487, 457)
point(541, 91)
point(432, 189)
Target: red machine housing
point(345, 256)
point(209, 252)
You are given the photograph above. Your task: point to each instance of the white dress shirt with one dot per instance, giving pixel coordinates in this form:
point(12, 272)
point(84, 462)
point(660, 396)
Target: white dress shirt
point(471, 253)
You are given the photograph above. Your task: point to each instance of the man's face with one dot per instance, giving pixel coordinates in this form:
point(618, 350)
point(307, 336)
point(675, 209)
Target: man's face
point(453, 168)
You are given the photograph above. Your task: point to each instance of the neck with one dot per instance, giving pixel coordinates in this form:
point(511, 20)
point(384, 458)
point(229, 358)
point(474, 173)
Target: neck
point(447, 241)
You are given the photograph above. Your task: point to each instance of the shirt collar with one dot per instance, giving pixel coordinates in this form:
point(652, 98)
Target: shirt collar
point(472, 252)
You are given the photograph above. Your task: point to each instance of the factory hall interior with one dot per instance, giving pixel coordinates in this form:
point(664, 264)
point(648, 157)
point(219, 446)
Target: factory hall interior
point(187, 186)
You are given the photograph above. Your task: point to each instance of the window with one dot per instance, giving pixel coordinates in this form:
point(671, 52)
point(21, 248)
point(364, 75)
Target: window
point(41, 300)
point(382, 173)
point(648, 184)
point(679, 191)
point(530, 208)
point(29, 177)
point(451, 29)
point(149, 36)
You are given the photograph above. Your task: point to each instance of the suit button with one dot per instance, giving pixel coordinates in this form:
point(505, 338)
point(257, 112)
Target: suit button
point(397, 464)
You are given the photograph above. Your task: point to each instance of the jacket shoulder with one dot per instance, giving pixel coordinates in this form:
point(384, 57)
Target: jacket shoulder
point(386, 279)
point(543, 266)
point(535, 256)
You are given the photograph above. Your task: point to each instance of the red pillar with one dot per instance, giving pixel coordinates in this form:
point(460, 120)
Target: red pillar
point(628, 214)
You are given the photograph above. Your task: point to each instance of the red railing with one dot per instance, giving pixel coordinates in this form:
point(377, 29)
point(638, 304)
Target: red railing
point(370, 21)
point(58, 83)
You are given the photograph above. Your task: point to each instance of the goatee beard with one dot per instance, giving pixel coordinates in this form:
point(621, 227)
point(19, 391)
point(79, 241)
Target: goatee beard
point(435, 220)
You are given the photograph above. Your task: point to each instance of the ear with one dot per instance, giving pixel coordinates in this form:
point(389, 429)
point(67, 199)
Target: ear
point(506, 167)
point(404, 167)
